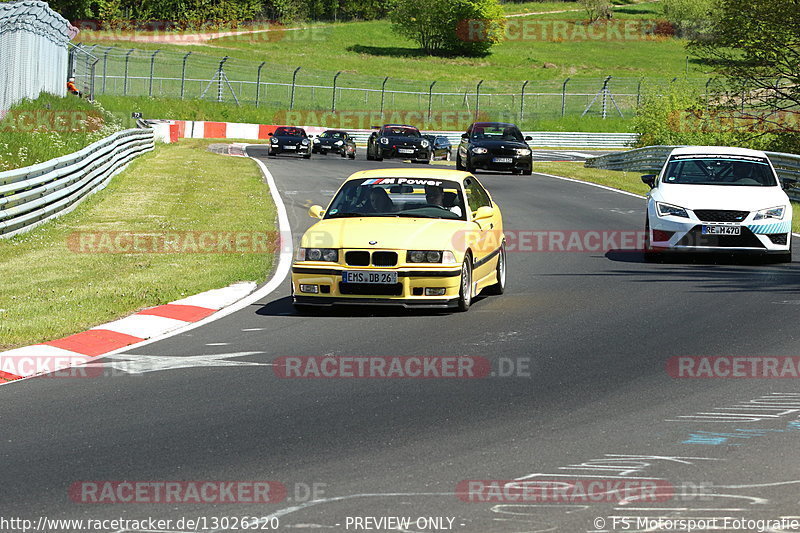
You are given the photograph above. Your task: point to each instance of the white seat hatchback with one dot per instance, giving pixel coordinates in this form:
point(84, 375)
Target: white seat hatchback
point(717, 199)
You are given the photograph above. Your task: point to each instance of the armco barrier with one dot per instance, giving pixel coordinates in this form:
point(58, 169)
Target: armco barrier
point(652, 159)
point(32, 195)
point(171, 130)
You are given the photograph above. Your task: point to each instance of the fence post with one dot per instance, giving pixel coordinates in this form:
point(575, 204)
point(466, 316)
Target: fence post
point(522, 102)
point(220, 74)
point(383, 92)
point(125, 84)
point(152, 65)
point(294, 79)
point(564, 97)
point(477, 98)
point(105, 66)
point(91, 82)
point(333, 100)
point(430, 99)
point(639, 92)
point(183, 73)
point(258, 81)
point(605, 96)
point(71, 61)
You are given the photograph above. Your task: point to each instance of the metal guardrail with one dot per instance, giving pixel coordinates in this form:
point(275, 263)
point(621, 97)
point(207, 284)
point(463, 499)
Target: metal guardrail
point(540, 138)
point(32, 195)
point(652, 159)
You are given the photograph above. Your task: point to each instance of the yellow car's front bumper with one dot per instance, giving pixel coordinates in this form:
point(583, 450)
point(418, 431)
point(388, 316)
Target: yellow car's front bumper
point(409, 291)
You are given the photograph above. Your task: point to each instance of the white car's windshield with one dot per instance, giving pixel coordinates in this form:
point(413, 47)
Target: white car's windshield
point(719, 170)
point(398, 197)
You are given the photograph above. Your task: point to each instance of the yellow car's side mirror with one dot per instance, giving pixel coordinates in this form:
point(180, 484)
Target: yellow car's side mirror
point(316, 211)
point(484, 212)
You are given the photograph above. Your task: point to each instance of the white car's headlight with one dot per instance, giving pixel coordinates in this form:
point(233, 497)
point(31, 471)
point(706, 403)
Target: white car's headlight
point(424, 143)
point(479, 150)
point(330, 255)
point(384, 140)
point(772, 212)
point(667, 210)
point(523, 151)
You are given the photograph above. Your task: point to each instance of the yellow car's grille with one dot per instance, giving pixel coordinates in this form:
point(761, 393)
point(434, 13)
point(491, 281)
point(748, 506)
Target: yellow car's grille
point(365, 258)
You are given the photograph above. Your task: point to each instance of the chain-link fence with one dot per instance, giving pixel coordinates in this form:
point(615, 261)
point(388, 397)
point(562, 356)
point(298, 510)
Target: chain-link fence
point(33, 51)
point(135, 72)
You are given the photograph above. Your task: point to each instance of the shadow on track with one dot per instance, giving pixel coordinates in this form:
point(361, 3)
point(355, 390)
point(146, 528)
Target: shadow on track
point(686, 258)
point(283, 307)
point(709, 272)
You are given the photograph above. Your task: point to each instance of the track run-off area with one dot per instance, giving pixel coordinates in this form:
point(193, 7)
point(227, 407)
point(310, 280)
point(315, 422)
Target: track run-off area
point(583, 389)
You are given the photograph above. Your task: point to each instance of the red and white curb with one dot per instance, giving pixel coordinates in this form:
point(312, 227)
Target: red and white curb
point(149, 325)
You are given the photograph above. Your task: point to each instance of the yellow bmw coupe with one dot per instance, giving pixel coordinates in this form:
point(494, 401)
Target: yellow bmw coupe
point(415, 238)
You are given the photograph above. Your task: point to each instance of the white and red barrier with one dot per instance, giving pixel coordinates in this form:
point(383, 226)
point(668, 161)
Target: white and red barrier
point(171, 130)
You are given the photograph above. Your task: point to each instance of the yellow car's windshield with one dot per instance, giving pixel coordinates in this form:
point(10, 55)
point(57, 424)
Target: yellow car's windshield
point(399, 197)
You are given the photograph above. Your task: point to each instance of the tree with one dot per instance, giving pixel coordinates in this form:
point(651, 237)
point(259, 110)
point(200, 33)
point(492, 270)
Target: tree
point(597, 9)
point(450, 27)
point(689, 17)
point(755, 48)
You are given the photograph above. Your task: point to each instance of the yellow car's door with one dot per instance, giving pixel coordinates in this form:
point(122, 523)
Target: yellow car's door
point(484, 217)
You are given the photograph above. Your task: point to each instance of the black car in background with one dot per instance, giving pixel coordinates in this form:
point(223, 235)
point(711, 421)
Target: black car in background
point(441, 147)
point(494, 146)
point(290, 140)
point(336, 141)
point(397, 140)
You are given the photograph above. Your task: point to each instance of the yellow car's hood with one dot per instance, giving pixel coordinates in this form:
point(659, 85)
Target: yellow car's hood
point(396, 233)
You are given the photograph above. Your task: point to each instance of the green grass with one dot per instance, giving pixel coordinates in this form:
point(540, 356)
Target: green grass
point(371, 49)
point(364, 53)
point(34, 131)
point(625, 181)
point(50, 291)
point(539, 7)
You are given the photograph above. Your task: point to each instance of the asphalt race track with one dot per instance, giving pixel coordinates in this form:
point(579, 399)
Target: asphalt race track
point(595, 329)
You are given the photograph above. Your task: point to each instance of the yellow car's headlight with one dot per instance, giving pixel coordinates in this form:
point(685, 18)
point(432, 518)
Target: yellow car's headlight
point(430, 256)
point(330, 255)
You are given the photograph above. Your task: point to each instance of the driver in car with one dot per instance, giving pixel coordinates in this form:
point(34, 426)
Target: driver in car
point(434, 195)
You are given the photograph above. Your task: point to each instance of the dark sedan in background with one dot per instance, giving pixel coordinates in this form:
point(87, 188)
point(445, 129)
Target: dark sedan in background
point(336, 141)
point(290, 140)
point(440, 147)
point(397, 140)
point(494, 146)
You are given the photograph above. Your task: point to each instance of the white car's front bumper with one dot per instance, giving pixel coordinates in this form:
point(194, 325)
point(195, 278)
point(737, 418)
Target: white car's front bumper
point(687, 234)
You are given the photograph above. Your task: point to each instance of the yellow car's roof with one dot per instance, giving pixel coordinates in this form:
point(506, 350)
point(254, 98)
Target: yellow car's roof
point(435, 173)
